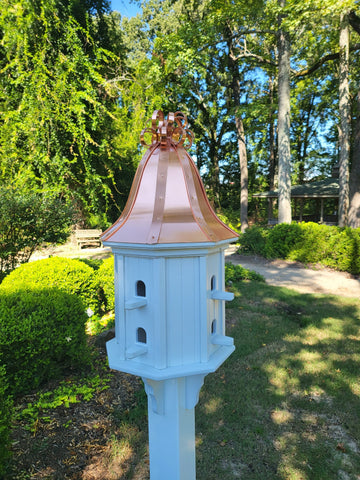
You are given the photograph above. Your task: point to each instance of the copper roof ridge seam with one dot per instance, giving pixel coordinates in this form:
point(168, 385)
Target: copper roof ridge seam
point(160, 192)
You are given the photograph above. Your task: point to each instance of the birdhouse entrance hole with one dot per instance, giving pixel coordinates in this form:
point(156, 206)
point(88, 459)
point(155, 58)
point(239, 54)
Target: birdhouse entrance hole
point(213, 327)
point(141, 335)
point(140, 289)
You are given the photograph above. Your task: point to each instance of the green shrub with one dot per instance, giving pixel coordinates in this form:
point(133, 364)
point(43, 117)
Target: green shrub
point(253, 240)
point(282, 238)
point(69, 275)
point(344, 250)
point(236, 273)
point(106, 282)
point(5, 421)
point(27, 220)
point(355, 262)
point(307, 242)
point(94, 263)
point(42, 335)
point(314, 244)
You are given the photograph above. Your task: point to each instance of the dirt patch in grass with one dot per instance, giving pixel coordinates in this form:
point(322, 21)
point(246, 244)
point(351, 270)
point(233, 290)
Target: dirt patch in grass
point(89, 440)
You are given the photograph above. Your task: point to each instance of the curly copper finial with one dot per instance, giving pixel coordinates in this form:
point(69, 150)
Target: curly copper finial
point(172, 128)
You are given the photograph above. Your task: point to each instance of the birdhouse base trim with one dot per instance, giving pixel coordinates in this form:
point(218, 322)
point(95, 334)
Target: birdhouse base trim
point(146, 371)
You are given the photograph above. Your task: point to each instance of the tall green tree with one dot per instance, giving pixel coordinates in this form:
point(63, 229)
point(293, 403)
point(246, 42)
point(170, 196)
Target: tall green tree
point(60, 67)
point(206, 57)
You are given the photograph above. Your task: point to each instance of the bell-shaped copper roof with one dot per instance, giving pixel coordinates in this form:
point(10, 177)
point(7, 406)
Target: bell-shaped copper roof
point(167, 201)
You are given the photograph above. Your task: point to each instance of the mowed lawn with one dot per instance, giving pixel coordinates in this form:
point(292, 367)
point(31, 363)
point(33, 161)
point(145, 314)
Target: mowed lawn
point(286, 404)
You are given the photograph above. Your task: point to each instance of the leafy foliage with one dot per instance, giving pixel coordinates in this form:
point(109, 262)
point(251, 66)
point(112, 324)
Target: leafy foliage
point(67, 393)
point(42, 335)
point(237, 273)
point(60, 62)
point(6, 410)
point(309, 242)
point(106, 282)
point(27, 220)
point(282, 239)
point(254, 240)
point(69, 275)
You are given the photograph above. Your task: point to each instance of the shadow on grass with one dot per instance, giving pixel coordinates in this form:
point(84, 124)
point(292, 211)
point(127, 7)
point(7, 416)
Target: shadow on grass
point(286, 404)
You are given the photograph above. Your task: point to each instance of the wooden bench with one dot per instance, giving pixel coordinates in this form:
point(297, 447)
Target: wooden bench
point(88, 237)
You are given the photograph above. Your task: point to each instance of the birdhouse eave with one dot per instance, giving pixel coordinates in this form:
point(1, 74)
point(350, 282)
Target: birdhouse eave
point(162, 248)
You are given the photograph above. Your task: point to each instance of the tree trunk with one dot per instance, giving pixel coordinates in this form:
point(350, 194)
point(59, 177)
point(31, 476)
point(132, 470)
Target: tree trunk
point(271, 147)
point(345, 120)
point(244, 174)
point(354, 187)
point(284, 123)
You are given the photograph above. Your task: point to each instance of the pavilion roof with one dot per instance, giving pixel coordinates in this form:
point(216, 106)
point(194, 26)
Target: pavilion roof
point(327, 188)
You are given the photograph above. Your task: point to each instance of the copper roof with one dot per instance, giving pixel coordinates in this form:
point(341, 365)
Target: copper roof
point(167, 202)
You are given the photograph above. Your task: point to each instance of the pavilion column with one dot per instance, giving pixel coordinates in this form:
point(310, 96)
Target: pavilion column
point(322, 210)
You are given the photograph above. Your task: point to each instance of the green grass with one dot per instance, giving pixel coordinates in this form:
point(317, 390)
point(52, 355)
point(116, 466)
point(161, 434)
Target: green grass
point(286, 404)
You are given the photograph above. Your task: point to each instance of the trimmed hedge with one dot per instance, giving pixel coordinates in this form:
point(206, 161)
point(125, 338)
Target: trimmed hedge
point(42, 335)
point(106, 282)
point(6, 407)
point(237, 273)
point(254, 240)
point(336, 247)
point(69, 275)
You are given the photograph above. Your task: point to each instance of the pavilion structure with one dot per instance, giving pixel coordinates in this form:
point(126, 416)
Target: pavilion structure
point(318, 192)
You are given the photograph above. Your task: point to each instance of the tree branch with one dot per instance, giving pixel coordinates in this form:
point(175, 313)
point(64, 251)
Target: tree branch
point(255, 57)
point(354, 21)
point(322, 61)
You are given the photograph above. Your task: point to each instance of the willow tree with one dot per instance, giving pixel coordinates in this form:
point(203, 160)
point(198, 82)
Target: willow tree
point(58, 101)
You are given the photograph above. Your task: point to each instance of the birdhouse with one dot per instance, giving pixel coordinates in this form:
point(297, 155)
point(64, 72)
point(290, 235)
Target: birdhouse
point(169, 265)
point(169, 257)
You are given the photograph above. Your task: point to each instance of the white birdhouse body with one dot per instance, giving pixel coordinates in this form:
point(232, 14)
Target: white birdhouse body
point(170, 321)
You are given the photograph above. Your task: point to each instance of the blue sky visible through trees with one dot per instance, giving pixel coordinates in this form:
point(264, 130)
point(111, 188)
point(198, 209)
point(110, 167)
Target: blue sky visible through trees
point(125, 7)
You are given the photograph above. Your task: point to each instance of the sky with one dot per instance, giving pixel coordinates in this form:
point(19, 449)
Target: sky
point(125, 7)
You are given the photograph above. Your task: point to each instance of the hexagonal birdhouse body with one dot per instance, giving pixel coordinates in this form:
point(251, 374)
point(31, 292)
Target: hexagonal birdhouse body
point(170, 316)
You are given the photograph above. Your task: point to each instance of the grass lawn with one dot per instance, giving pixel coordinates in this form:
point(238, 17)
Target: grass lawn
point(285, 405)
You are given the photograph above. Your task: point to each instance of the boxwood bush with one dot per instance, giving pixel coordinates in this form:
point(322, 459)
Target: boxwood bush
point(254, 240)
point(282, 239)
point(42, 335)
point(106, 282)
point(70, 275)
point(336, 247)
point(237, 273)
point(314, 244)
point(5, 421)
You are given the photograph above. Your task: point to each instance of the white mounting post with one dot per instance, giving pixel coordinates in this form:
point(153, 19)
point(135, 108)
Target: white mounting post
point(171, 411)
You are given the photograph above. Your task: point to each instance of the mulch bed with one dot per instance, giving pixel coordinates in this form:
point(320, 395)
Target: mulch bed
point(77, 442)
